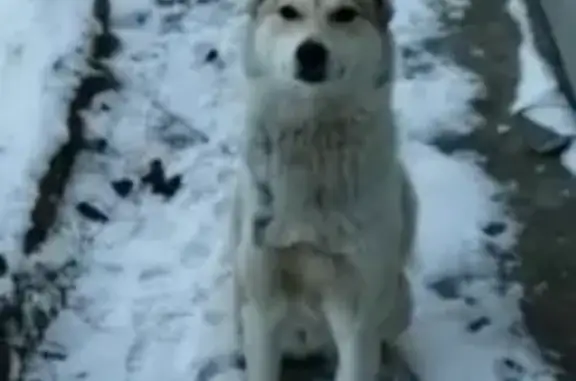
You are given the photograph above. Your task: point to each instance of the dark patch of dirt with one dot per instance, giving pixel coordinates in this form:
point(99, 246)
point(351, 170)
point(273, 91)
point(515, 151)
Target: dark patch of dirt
point(105, 44)
point(543, 193)
point(53, 184)
point(158, 182)
point(5, 356)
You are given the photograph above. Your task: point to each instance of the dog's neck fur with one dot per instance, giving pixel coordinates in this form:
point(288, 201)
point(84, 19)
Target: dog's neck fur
point(331, 158)
point(321, 115)
point(331, 136)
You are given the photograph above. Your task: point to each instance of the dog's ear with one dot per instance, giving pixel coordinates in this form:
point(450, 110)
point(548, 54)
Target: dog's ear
point(252, 7)
point(384, 11)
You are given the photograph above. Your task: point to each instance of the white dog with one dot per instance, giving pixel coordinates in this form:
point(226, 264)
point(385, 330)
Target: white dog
point(323, 215)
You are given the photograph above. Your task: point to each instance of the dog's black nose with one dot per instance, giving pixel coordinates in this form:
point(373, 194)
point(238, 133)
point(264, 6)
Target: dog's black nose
point(312, 60)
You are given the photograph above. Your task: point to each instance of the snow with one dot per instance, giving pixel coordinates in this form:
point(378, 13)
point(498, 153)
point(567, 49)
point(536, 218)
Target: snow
point(153, 301)
point(456, 203)
point(537, 94)
point(445, 85)
point(33, 102)
point(569, 159)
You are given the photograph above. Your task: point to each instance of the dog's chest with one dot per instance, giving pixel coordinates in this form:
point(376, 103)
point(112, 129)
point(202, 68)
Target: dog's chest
point(315, 183)
point(317, 166)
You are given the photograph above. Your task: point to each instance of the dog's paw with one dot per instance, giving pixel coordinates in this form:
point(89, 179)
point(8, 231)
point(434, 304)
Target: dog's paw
point(394, 367)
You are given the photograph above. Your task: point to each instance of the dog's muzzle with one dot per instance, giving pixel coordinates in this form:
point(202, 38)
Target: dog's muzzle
point(312, 62)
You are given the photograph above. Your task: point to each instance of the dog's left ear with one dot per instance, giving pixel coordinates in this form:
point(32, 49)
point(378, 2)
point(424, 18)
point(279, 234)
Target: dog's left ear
point(385, 11)
point(252, 7)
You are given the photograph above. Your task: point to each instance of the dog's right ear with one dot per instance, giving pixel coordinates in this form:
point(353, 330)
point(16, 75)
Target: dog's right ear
point(252, 7)
point(385, 11)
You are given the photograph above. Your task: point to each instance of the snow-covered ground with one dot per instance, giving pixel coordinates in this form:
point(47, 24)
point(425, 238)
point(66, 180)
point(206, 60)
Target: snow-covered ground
point(33, 102)
point(153, 301)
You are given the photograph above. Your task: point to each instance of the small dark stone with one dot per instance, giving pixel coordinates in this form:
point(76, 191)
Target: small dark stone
point(449, 143)
point(408, 53)
point(447, 287)
point(91, 212)
point(51, 355)
point(156, 178)
point(90, 87)
point(155, 175)
point(494, 228)
point(123, 187)
point(99, 145)
point(172, 22)
point(33, 238)
point(51, 275)
point(58, 64)
point(478, 324)
point(171, 187)
point(3, 265)
point(105, 45)
point(212, 55)
point(179, 134)
point(226, 149)
point(142, 17)
point(513, 365)
point(484, 106)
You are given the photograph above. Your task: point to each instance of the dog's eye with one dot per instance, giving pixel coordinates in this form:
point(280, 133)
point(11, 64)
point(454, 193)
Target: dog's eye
point(289, 13)
point(344, 15)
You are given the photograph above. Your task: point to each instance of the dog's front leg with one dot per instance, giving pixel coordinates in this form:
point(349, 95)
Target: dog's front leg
point(261, 344)
point(262, 313)
point(356, 338)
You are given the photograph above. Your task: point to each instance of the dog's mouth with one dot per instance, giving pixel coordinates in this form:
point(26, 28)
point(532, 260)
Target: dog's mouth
point(312, 75)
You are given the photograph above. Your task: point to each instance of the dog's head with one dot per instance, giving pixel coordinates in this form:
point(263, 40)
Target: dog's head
point(317, 42)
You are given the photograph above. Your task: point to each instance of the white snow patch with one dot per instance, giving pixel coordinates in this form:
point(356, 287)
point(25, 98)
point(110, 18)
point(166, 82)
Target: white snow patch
point(441, 345)
point(438, 101)
point(538, 95)
point(569, 159)
point(33, 103)
point(460, 191)
point(456, 203)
